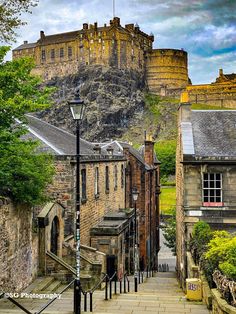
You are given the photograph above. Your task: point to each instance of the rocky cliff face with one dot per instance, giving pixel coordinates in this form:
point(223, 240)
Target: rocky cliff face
point(114, 98)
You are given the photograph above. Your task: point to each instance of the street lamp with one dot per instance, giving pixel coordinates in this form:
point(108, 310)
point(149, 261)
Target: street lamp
point(77, 108)
point(135, 194)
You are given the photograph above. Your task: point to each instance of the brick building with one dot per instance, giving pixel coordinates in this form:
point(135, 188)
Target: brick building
point(108, 173)
point(205, 174)
point(143, 172)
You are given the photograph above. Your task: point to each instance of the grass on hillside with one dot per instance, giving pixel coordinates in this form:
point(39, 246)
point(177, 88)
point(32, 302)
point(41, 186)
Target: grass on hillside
point(167, 199)
point(208, 107)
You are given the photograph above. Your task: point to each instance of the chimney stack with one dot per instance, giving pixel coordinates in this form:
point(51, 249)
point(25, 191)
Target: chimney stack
point(184, 108)
point(149, 150)
point(42, 35)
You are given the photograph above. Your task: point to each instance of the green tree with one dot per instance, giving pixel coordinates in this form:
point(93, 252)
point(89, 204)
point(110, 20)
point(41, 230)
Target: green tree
point(169, 232)
point(10, 16)
point(24, 173)
point(166, 151)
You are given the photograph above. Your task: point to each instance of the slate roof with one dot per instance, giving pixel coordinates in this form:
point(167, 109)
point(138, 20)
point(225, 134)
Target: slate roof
point(60, 142)
point(26, 46)
point(210, 133)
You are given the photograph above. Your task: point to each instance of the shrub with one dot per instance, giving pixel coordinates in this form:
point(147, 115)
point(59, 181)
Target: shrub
point(200, 237)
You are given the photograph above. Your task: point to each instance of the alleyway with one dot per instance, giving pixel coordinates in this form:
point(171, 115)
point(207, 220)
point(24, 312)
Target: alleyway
point(159, 294)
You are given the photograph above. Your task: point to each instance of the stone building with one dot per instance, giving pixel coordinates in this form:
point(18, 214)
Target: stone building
point(110, 45)
point(108, 173)
point(205, 174)
point(143, 172)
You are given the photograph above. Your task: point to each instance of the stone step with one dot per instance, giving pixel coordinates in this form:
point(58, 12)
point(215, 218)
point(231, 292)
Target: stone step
point(33, 285)
point(52, 287)
point(44, 284)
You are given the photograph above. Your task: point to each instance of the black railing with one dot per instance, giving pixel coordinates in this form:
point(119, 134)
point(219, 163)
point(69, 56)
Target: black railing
point(3, 295)
point(110, 289)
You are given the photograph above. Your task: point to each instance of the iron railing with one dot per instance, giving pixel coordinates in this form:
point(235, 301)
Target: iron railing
point(112, 285)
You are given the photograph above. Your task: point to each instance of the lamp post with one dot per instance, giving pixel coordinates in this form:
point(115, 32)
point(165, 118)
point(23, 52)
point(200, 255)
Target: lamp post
point(135, 194)
point(77, 107)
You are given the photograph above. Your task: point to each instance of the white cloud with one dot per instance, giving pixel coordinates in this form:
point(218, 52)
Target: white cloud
point(200, 27)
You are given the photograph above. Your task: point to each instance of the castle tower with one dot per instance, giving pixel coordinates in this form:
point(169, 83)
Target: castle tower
point(167, 71)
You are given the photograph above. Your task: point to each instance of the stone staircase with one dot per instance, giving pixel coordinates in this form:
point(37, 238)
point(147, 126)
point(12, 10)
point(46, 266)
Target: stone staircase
point(160, 295)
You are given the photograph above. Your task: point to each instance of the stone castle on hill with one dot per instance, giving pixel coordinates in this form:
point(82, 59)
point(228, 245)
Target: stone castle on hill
point(165, 70)
point(110, 45)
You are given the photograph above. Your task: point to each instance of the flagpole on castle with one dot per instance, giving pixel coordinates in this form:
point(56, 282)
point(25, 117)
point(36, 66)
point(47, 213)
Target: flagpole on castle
point(114, 6)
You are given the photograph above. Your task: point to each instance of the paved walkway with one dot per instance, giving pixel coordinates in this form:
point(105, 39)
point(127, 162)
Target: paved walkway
point(159, 294)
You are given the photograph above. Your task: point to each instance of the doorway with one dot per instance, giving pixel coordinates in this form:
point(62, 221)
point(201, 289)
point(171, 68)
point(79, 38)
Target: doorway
point(54, 235)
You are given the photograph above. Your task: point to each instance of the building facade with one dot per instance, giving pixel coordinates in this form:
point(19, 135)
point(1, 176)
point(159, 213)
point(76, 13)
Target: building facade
point(110, 45)
point(205, 174)
point(142, 171)
point(109, 171)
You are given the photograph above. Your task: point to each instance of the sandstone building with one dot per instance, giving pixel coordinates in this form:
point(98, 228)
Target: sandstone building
point(205, 174)
point(108, 173)
point(110, 45)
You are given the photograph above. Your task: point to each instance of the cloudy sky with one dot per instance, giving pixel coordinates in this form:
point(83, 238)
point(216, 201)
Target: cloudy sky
point(206, 29)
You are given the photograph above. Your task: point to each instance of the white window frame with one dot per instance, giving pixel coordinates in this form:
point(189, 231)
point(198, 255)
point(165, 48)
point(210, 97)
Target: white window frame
point(212, 199)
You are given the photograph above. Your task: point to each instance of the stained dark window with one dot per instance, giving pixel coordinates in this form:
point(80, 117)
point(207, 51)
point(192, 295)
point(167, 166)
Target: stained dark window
point(43, 55)
point(61, 52)
point(52, 54)
point(107, 179)
point(84, 188)
point(122, 176)
point(115, 176)
point(69, 52)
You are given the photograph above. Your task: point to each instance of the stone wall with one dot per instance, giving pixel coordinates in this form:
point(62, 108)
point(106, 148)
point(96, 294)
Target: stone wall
point(219, 305)
point(222, 95)
point(18, 247)
point(166, 69)
point(94, 207)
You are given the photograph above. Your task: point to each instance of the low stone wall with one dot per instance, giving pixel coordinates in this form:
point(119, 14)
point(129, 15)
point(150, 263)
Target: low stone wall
point(219, 305)
point(18, 247)
point(206, 292)
point(211, 297)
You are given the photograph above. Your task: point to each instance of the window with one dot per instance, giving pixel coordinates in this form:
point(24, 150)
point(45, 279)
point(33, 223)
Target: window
point(69, 52)
point(52, 54)
point(122, 176)
point(61, 52)
point(115, 177)
point(107, 179)
point(212, 189)
point(83, 181)
point(96, 182)
point(43, 55)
